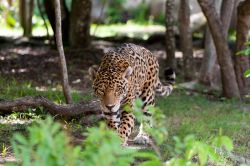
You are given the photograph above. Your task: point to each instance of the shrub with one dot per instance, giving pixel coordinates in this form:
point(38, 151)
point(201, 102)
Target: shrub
point(47, 144)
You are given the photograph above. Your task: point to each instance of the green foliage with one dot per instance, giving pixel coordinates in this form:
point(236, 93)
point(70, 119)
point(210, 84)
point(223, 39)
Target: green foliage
point(103, 147)
point(245, 52)
point(247, 73)
point(4, 150)
point(45, 144)
point(48, 144)
point(114, 11)
point(10, 20)
point(190, 148)
point(140, 13)
point(9, 15)
point(160, 19)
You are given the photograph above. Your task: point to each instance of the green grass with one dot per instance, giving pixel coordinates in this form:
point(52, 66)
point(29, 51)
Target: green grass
point(130, 29)
point(186, 114)
point(197, 115)
point(10, 89)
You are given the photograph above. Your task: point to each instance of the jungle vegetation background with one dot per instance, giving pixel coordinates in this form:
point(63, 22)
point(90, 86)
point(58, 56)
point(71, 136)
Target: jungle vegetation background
point(205, 41)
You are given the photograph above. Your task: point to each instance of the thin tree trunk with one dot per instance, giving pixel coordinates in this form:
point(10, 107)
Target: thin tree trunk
point(227, 8)
point(242, 61)
point(186, 40)
point(41, 12)
point(65, 16)
point(26, 13)
point(64, 72)
point(80, 23)
point(170, 34)
point(209, 60)
point(229, 83)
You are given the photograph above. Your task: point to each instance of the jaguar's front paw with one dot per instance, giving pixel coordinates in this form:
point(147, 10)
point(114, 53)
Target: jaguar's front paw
point(142, 139)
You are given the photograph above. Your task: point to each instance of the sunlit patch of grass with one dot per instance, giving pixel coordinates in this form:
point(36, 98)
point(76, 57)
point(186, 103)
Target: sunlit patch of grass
point(195, 114)
point(130, 29)
point(10, 89)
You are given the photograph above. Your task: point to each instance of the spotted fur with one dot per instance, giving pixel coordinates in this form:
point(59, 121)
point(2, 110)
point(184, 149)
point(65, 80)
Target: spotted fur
point(126, 73)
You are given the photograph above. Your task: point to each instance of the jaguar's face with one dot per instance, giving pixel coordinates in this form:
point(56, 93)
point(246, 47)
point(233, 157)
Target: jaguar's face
point(111, 88)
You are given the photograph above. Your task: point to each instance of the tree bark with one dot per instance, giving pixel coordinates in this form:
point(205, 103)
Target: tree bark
point(80, 23)
point(22, 105)
point(242, 61)
point(65, 16)
point(229, 83)
point(64, 72)
point(186, 40)
point(41, 12)
point(170, 34)
point(227, 8)
point(209, 60)
point(26, 13)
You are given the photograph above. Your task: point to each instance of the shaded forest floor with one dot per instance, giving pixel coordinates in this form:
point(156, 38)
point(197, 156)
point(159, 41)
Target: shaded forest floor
point(30, 68)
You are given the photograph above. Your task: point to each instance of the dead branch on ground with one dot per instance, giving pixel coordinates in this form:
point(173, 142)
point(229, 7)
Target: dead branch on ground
point(69, 110)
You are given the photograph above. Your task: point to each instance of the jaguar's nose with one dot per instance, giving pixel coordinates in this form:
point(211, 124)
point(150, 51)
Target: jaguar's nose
point(109, 107)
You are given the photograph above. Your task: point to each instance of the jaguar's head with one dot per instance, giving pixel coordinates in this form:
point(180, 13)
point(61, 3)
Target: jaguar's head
point(110, 86)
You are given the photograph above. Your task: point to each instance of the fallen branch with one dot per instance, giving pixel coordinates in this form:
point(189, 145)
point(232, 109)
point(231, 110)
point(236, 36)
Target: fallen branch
point(22, 105)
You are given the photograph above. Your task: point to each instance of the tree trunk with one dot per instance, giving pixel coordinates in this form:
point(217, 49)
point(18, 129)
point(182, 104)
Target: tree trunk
point(26, 13)
point(80, 23)
point(170, 34)
point(50, 11)
point(64, 72)
point(41, 12)
point(227, 8)
point(186, 40)
point(242, 61)
point(229, 83)
point(209, 60)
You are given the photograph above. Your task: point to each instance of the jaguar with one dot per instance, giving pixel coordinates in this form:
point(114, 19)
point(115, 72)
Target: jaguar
point(126, 73)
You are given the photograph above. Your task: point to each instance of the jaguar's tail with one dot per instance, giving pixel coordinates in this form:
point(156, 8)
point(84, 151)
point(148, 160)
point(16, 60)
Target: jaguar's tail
point(167, 88)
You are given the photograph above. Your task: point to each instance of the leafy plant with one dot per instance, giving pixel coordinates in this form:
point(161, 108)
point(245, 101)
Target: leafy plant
point(141, 13)
point(191, 151)
point(4, 150)
point(47, 144)
point(114, 11)
point(103, 147)
point(245, 52)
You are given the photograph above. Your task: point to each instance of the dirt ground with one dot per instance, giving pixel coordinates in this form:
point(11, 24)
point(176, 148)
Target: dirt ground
point(37, 62)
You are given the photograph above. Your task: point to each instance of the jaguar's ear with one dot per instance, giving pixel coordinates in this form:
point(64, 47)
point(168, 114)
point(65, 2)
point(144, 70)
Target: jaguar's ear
point(127, 72)
point(92, 72)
